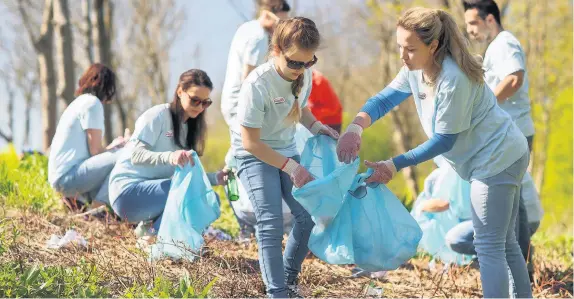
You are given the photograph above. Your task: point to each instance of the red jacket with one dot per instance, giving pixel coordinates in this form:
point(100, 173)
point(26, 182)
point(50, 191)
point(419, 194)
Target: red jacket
point(323, 102)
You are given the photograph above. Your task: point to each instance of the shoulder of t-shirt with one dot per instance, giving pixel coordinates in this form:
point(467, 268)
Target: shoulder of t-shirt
point(504, 40)
point(89, 100)
point(451, 74)
point(156, 112)
point(253, 31)
point(260, 73)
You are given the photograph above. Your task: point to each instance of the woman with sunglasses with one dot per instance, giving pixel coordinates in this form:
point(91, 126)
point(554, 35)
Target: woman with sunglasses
point(79, 166)
point(271, 101)
point(163, 138)
point(460, 115)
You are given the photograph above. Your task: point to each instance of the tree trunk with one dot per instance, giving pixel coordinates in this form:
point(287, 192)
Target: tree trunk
point(88, 57)
point(101, 40)
point(47, 76)
point(64, 51)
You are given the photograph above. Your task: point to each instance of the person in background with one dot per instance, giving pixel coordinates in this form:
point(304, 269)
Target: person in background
point(249, 49)
point(324, 102)
point(79, 165)
point(163, 138)
point(506, 74)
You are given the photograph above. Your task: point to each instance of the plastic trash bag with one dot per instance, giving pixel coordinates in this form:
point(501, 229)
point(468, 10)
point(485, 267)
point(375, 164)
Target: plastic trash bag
point(443, 183)
point(356, 223)
point(191, 207)
point(243, 207)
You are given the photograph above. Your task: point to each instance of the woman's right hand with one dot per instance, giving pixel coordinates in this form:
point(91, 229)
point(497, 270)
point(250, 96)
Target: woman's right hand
point(298, 174)
point(349, 143)
point(179, 158)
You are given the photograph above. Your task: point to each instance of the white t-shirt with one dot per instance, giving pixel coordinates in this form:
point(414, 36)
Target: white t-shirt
point(503, 57)
point(70, 144)
point(154, 128)
point(488, 141)
point(248, 47)
point(265, 101)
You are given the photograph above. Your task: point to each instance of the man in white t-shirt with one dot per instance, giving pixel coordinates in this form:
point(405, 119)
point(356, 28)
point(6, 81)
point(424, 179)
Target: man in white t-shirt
point(505, 73)
point(504, 62)
point(248, 50)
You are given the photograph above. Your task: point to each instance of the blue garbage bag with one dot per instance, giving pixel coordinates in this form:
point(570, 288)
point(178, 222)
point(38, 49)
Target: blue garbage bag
point(191, 207)
point(443, 183)
point(355, 223)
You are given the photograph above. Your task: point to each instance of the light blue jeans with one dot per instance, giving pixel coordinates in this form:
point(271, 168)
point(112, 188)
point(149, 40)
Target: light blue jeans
point(495, 202)
point(266, 187)
point(143, 201)
point(90, 177)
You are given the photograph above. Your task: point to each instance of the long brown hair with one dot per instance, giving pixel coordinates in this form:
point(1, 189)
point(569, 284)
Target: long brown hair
point(98, 80)
point(435, 24)
point(301, 33)
point(196, 127)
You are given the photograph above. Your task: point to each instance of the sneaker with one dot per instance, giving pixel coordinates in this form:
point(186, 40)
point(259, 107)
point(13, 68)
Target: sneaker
point(293, 291)
point(145, 228)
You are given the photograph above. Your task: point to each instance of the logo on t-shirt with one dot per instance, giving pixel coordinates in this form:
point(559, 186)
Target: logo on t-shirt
point(279, 100)
point(169, 134)
point(422, 95)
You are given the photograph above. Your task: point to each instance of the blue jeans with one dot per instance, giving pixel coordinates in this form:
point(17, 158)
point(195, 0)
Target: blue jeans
point(91, 177)
point(266, 187)
point(495, 202)
point(143, 201)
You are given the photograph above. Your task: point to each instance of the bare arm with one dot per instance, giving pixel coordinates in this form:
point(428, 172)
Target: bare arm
point(251, 139)
point(95, 141)
point(307, 118)
point(509, 86)
point(435, 205)
point(362, 119)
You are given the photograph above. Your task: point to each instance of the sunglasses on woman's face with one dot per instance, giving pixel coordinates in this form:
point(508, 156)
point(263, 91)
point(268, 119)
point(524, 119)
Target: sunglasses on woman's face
point(297, 65)
point(196, 101)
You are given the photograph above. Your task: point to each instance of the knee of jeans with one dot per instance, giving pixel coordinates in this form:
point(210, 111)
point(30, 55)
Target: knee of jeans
point(457, 244)
point(271, 227)
point(489, 245)
point(122, 209)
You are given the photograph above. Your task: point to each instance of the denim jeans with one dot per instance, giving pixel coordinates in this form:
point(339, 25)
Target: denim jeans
point(495, 202)
point(143, 201)
point(90, 177)
point(266, 186)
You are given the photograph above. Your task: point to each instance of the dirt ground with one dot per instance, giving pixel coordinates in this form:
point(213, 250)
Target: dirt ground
point(112, 248)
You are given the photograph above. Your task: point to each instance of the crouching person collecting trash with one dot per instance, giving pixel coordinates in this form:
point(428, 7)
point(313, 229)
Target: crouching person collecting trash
point(164, 137)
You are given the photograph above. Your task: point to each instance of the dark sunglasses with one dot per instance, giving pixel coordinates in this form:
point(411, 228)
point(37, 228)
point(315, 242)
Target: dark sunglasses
point(297, 65)
point(196, 101)
point(359, 188)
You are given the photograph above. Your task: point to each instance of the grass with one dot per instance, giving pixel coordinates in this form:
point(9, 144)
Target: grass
point(112, 266)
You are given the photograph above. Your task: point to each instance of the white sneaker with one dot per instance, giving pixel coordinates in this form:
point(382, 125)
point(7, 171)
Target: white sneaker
point(145, 228)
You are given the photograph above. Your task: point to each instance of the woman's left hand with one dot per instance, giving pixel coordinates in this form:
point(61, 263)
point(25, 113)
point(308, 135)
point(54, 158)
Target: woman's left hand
point(222, 176)
point(384, 171)
point(319, 128)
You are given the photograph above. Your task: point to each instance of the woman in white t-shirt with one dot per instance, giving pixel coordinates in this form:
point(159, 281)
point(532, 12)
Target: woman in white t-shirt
point(271, 101)
point(460, 116)
point(163, 138)
point(79, 166)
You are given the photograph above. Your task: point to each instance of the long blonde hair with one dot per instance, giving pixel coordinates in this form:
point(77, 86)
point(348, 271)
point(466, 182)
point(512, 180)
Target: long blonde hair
point(301, 33)
point(436, 24)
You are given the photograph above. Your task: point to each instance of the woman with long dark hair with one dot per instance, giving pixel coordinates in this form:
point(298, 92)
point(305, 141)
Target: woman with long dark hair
point(163, 138)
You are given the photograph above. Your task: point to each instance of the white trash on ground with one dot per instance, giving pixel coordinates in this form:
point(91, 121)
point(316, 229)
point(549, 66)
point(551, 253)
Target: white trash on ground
point(71, 237)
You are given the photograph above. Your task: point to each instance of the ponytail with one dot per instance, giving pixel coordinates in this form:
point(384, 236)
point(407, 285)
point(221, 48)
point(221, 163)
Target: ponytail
point(295, 113)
